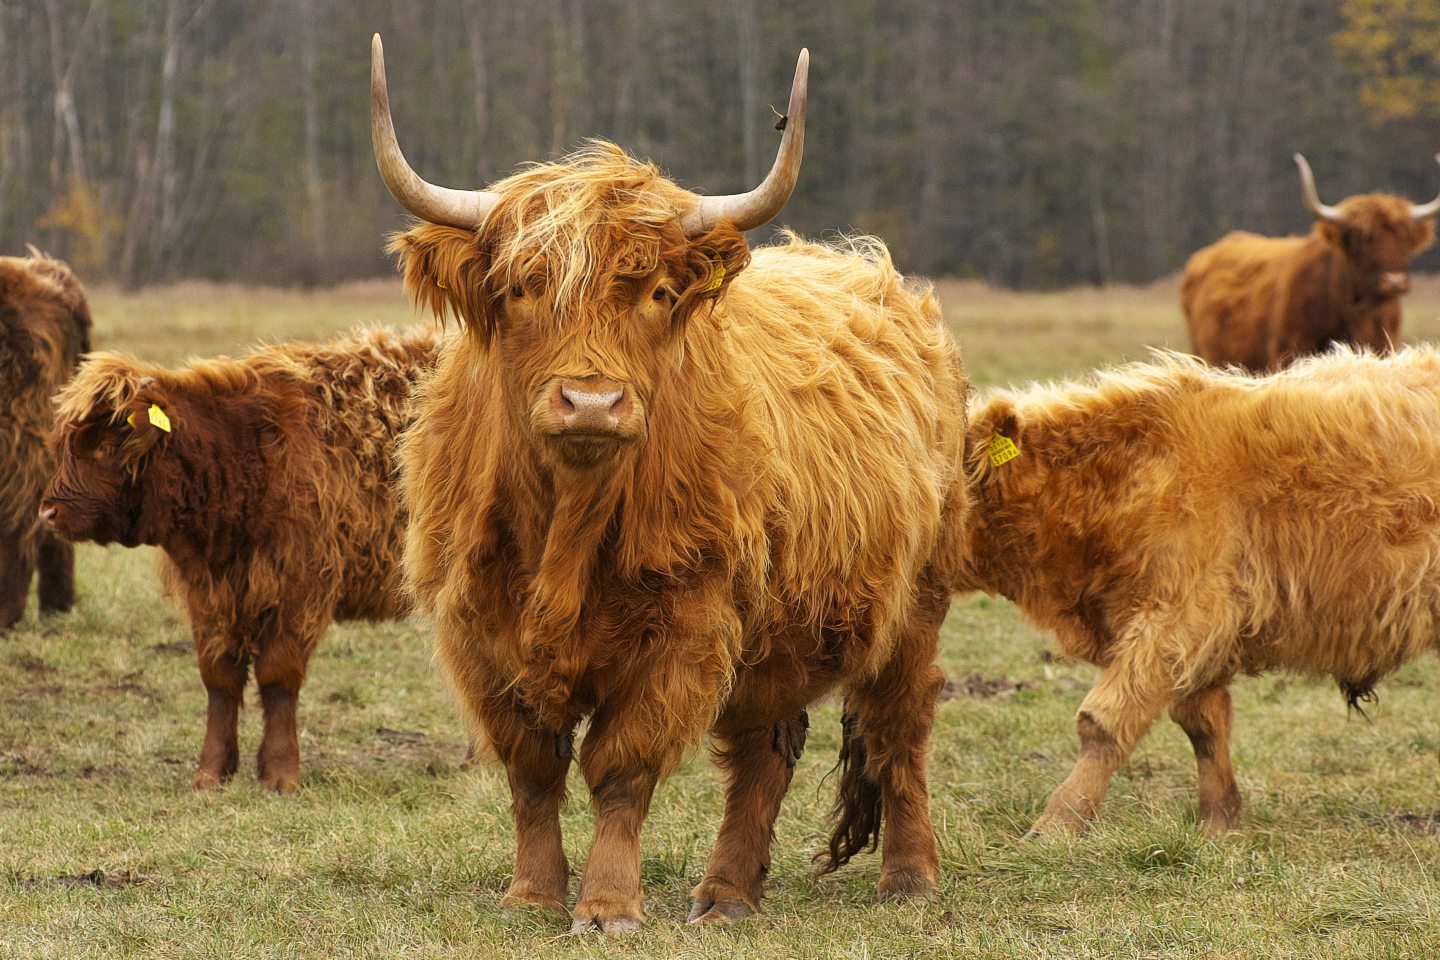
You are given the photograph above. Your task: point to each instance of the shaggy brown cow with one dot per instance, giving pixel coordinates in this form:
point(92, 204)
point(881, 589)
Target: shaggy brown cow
point(1177, 525)
point(675, 489)
point(1262, 302)
point(44, 327)
point(267, 481)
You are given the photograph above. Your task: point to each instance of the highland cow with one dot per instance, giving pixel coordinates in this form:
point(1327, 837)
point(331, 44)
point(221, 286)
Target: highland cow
point(1177, 525)
point(1263, 302)
point(676, 488)
point(268, 483)
point(44, 328)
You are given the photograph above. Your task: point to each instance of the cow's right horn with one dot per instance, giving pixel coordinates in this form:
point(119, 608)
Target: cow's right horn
point(454, 208)
point(1312, 199)
point(1422, 210)
point(761, 205)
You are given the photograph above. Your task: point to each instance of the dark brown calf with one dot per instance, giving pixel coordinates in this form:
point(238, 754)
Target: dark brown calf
point(267, 483)
point(44, 327)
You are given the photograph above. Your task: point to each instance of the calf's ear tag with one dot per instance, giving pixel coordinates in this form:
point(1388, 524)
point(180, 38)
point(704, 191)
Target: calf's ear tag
point(717, 280)
point(155, 415)
point(1002, 449)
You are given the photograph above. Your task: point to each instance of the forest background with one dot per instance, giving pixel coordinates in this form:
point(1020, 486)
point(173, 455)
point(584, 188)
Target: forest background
point(1027, 143)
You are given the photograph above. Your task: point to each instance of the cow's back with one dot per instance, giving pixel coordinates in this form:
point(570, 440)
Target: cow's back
point(859, 391)
point(359, 398)
point(1232, 294)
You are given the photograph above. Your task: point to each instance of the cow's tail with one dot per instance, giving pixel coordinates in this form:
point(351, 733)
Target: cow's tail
point(858, 805)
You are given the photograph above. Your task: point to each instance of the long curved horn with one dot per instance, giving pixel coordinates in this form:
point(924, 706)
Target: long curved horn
point(761, 205)
point(1422, 210)
point(454, 208)
point(1312, 199)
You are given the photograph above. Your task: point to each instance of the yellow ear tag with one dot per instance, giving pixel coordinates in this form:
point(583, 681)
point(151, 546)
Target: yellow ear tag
point(718, 279)
point(1002, 449)
point(158, 417)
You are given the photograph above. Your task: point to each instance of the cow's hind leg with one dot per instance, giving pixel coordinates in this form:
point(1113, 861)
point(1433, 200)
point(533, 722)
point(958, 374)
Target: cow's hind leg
point(56, 563)
point(883, 758)
point(15, 572)
point(280, 673)
point(1112, 719)
point(224, 675)
point(1206, 719)
point(760, 763)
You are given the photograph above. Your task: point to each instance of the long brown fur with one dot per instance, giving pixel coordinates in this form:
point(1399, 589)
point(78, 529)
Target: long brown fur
point(1177, 525)
point(1264, 302)
point(44, 328)
point(271, 495)
point(776, 532)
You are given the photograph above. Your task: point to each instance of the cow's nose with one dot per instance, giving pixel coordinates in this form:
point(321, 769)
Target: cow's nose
point(1395, 282)
point(583, 407)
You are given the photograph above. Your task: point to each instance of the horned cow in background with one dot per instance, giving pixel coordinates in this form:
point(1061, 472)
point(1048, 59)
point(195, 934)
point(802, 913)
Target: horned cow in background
point(676, 488)
point(268, 483)
point(44, 328)
point(1263, 302)
point(1177, 525)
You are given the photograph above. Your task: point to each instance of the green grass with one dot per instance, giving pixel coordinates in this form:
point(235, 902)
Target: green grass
point(393, 847)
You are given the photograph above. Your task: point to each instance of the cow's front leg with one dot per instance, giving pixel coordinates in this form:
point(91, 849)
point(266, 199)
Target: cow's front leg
point(16, 569)
point(1206, 718)
point(760, 762)
point(536, 761)
point(667, 697)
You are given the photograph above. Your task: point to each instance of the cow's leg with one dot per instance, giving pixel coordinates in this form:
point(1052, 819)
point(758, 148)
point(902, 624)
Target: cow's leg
point(1206, 718)
point(15, 571)
point(224, 674)
point(663, 704)
point(1131, 694)
point(536, 762)
point(280, 672)
point(57, 573)
point(887, 745)
point(760, 762)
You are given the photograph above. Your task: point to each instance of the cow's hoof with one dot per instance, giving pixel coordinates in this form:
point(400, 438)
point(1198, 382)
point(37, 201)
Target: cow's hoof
point(906, 885)
point(705, 911)
point(280, 782)
point(207, 780)
point(519, 904)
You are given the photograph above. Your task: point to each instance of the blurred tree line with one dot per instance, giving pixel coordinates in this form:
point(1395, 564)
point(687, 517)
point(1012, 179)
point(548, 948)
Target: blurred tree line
point(1026, 142)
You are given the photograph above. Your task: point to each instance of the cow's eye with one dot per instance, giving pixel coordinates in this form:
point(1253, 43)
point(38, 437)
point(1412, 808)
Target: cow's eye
point(661, 294)
point(517, 291)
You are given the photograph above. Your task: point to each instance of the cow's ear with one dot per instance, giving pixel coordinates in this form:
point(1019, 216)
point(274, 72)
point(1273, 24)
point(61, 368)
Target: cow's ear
point(145, 422)
point(444, 270)
point(712, 262)
point(1341, 235)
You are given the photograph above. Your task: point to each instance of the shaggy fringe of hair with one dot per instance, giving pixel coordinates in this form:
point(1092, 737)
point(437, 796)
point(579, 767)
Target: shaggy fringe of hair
point(859, 803)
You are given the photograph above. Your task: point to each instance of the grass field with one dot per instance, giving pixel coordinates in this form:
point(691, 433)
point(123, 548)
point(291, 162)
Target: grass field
point(393, 848)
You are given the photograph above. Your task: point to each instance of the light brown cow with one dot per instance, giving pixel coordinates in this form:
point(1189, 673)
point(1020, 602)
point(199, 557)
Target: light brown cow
point(1262, 302)
point(1177, 525)
point(675, 488)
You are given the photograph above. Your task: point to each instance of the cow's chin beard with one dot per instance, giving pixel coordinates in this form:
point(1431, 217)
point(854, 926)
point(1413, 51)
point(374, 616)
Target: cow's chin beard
point(585, 452)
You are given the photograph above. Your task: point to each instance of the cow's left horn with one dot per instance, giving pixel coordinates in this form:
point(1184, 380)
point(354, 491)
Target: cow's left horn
point(1312, 199)
point(454, 208)
point(761, 205)
point(1422, 210)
